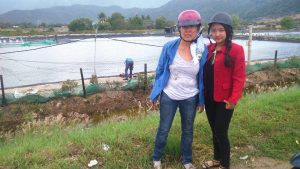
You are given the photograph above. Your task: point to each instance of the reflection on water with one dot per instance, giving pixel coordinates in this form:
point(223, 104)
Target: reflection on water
point(63, 62)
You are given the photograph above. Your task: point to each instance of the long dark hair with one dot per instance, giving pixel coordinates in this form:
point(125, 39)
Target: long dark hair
point(229, 34)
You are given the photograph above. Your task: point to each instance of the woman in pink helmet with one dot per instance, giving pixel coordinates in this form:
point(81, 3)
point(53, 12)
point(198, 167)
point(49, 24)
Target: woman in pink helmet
point(179, 83)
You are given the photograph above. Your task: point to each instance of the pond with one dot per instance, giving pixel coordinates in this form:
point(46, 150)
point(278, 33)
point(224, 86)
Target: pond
point(62, 62)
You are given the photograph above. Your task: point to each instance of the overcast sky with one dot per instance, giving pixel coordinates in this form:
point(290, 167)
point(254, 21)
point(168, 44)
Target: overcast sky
point(7, 5)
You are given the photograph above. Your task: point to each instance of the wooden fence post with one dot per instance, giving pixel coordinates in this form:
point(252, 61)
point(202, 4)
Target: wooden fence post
point(82, 81)
point(2, 89)
point(275, 59)
point(145, 77)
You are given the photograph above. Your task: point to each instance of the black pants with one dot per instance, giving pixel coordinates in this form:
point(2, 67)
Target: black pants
point(219, 119)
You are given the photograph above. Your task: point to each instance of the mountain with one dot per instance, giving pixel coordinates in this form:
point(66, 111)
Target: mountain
point(248, 10)
point(8, 5)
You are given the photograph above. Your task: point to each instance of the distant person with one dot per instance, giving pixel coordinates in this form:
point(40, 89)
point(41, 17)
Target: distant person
point(128, 65)
point(224, 78)
point(179, 83)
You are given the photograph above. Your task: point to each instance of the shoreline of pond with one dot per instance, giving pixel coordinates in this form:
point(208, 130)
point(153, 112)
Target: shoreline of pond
point(61, 38)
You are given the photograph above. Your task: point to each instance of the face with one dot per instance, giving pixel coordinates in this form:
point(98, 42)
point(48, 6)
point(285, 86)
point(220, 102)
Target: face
point(189, 33)
point(218, 33)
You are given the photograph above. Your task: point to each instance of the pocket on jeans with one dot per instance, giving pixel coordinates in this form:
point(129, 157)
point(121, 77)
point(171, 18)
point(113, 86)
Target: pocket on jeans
point(164, 97)
point(193, 98)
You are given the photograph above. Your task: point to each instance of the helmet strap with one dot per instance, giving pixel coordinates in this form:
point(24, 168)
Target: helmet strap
point(208, 34)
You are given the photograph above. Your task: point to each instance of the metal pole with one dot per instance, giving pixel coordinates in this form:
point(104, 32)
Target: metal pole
point(95, 51)
point(145, 76)
point(249, 45)
point(3, 94)
point(275, 59)
point(82, 81)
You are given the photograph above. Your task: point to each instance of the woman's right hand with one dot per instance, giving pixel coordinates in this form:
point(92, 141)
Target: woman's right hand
point(152, 105)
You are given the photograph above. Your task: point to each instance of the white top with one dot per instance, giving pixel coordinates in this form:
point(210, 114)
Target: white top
point(183, 82)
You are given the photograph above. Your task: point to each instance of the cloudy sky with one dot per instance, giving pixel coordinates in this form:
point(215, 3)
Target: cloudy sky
point(7, 5)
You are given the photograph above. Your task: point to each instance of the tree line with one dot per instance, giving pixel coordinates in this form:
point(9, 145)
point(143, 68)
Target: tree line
point(118, 22)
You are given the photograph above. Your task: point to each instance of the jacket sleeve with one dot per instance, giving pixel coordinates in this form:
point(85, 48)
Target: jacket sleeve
point(238, 76)
point(159, 71)
point(161, 63)
point(201, 83)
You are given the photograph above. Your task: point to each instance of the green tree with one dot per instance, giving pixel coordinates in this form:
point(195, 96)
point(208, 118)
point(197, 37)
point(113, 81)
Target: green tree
point(136, 22)
point(117, 21)
point(102, 17)
point(51, 29)
point(43, 25)
point(235, 22)
point(104, 26)
point(287, 22)
point(160, 22)
point(80, 24)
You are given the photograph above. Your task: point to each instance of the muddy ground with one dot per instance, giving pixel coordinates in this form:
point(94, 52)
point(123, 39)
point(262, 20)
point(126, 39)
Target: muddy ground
point(102, 105)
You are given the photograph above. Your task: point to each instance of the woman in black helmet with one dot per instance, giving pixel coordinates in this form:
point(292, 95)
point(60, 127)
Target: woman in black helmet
point(224, 77)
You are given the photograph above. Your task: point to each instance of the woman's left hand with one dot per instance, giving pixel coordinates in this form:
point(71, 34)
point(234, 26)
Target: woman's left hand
point(200, 109)
point(229, 105)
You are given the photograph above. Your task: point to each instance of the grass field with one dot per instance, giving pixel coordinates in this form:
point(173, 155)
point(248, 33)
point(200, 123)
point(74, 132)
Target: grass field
point(263, 125)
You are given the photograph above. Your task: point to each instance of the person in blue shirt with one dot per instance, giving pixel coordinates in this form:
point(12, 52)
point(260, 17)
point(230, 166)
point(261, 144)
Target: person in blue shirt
point(179, 83)
point(128, 65)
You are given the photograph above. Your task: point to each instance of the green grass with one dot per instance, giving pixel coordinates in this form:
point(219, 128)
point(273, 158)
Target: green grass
point(264, 124)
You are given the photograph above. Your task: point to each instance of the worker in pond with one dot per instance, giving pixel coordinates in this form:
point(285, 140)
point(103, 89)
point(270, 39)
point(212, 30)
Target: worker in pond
point(128, 66)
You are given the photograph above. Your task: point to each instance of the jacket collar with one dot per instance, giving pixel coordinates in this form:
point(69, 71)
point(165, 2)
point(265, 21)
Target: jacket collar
point(212, 47)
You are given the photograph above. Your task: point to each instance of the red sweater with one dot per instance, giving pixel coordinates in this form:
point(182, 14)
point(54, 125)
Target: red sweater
point(228, 81)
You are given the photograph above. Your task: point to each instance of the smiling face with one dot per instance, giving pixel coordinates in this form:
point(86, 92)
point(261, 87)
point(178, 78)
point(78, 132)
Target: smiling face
point(189, 33)
point(218, 33)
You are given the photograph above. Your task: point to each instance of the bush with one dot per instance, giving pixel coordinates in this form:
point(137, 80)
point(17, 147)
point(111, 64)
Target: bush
point(69, 86)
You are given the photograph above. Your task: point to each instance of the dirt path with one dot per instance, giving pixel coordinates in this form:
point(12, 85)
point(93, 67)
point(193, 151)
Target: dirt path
point(262, 163)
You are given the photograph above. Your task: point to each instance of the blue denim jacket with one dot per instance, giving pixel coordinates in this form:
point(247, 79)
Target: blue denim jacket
point(163, 72)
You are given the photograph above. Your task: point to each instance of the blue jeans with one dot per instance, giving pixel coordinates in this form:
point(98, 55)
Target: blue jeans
point(128, 65)
point(187, 109)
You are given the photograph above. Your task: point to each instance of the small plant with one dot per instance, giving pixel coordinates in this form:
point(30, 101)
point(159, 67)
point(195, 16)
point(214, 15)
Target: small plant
point(69, 86)
point(94, 80)
point(117, 84)
point(292, 62)
point(108, 85)
point(141, 80)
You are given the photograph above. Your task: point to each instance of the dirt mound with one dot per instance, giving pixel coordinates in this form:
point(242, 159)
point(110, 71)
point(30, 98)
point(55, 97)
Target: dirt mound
point(98, 103)
point(105, 103)
point(271, 79)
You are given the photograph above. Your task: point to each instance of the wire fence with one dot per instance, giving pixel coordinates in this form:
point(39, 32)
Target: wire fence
point(84, 87)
